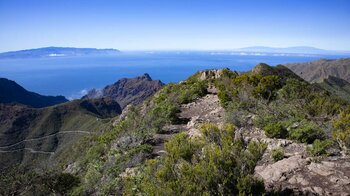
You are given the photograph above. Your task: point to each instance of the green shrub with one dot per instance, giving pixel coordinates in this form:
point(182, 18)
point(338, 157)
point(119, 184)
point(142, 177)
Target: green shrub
point(224, 97)
point(188, 92)
point(267, 87)
point(248, 185)
point(61, 183)
point(163, 113)
point(294, 89)
point(306, 133)
point(341, 128)
point(20, 181)
point(263, 120)
point(214, 164)
point(256, 149)
point(277, 154)
point(275, 130)
point(319, 147)
point(321, 104)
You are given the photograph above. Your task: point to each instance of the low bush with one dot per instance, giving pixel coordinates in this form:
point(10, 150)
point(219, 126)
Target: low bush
point(319, 147)
point(214, 164)
point(341, 129)
point(276, 130)
point(277, 154)
point(294, 89)
point(306, 133)
point(267, 87)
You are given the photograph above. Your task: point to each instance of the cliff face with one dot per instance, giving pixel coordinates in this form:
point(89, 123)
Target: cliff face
point(316, 71)
point(128, 90)
point(11, 92)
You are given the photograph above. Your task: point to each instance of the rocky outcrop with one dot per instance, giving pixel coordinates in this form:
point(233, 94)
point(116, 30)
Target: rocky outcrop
point(11, 92)
point(298, 173)
point(210, 74)
point(301, 175)
point(128, 90)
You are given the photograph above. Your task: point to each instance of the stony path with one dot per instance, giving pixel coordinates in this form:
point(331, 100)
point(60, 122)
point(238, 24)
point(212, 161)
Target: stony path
point(205, 109)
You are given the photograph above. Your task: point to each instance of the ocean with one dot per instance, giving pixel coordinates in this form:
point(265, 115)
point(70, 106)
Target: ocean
point(74, 76)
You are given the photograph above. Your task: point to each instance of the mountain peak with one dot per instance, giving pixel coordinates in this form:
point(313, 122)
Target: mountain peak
point(128, 90)
point(262, 69)
point(146, 76)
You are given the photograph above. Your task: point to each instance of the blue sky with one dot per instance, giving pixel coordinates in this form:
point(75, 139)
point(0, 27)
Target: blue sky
point(176, 24)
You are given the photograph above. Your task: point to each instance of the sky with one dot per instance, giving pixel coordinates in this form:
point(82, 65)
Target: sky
point(174, 24)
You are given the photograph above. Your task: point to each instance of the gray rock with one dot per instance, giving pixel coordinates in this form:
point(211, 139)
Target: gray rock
point(277, 171)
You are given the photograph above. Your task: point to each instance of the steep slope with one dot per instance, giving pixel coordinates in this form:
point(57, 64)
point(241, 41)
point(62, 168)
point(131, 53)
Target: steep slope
point(128, 90)
point(338, 87)
point(32, 137)
point(316, 71)
point(11, 92)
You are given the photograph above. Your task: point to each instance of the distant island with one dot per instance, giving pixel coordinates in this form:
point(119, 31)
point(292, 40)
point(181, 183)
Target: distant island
point(57, 52)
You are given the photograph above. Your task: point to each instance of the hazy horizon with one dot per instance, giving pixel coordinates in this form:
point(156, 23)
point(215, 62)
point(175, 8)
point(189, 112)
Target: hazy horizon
point(136, 25)
point(181, 49)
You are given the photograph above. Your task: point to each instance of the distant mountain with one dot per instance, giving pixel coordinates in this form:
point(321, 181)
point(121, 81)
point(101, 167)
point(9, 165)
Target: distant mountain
point(11, 92)
point(57, 52)
point(128, 90)
point(292, 50)
point(316, 71)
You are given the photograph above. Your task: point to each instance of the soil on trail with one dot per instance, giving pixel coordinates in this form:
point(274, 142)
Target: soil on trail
point(191, 115)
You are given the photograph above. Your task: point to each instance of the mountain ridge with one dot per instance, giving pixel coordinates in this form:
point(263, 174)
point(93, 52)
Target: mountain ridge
point(138, 89)
point(11, 92)
point(316, 71)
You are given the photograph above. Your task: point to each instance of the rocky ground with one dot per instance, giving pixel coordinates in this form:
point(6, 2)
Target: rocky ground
point(298, 172)
point(206, 109)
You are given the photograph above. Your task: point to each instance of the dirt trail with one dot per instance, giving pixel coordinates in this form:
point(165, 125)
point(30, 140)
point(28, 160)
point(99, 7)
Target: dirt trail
point(205, 109)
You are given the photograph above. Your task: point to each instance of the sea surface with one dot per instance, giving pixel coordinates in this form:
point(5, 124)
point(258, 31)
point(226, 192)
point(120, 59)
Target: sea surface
point(74, 76)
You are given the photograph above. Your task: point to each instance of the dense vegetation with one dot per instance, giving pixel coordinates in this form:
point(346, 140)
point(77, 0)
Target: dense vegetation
point(283, 105)
point(341, 127)
point(213, 164)
point(17, 181)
